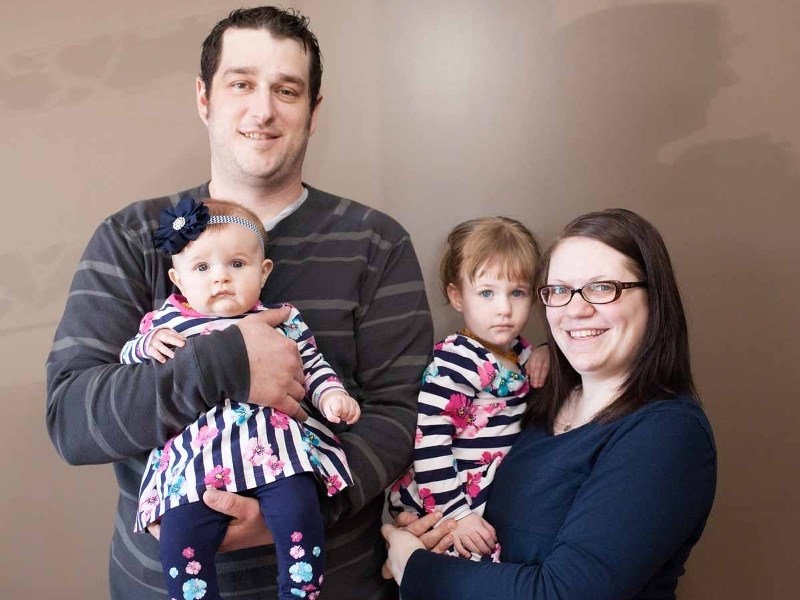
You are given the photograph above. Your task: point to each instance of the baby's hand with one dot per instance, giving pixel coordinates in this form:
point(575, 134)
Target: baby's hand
point(538, 366)
point(474, 535)
point(338, 406)
point(162, 343)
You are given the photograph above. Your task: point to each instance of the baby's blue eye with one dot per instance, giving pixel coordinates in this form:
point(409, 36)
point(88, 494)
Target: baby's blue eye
point(202, 267)
point(485, 293)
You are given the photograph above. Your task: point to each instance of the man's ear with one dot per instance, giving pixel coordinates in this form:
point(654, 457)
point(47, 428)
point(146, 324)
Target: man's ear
point(175, 278)
point(454, 295)
point(266, 269)
point(312, 122)
point(202, 100)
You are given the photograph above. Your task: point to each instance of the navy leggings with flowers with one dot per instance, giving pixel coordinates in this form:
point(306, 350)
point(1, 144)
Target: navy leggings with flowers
point(192, 533)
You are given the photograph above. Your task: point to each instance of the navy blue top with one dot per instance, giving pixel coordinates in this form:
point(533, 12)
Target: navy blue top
point(607, 512)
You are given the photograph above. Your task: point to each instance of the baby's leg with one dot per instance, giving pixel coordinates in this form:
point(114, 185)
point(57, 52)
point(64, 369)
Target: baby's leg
point(291, 511)
point(190, 537)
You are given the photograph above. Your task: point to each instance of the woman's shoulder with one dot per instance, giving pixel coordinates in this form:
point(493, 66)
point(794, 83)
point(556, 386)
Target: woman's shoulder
point(669, 421)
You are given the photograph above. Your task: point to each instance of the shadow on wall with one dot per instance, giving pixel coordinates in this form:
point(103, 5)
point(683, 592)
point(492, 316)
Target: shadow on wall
point(623, 83)
point(52, 77)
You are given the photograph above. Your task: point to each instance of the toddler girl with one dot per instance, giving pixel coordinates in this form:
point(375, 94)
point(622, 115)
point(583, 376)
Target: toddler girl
point(219, 267)
point(473, 393)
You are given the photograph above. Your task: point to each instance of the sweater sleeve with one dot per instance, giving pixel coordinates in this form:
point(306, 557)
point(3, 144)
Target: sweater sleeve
point(394, 336)
point(100, 411)
point(445, 406)
point(648, 495)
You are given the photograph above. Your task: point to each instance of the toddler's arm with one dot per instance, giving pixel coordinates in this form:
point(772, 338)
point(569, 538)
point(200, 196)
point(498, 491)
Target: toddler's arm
point(538, 366)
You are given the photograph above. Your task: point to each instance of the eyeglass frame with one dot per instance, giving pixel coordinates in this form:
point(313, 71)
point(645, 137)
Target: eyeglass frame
point(620, 286)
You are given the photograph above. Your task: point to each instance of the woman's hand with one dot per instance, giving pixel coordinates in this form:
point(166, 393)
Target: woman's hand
point(410, 533)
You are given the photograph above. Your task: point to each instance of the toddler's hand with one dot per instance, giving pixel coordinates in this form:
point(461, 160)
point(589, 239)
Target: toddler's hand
point(474, 535)
point(162, 343)
point(338, 406)
point(538, 366)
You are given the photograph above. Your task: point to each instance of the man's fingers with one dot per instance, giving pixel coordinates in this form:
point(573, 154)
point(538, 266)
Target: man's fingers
point(404, 519)
point(273, 316)
point(224, 502)
point(289, 406)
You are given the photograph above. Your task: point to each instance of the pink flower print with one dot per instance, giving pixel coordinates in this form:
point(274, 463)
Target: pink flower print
point(418, 436)
point(486, 373)
point(495, 407)
point(428, 502)
point(188, 552)
point(273, 465)
point(212, 327)
point(146, 322)
point(258, 450)
point(297, 552)
point(457, 408)
point(279, 420)
point(403, 482)
point(476, 421)
point(438, 346)
point(333, 484)
point(472, 487)
point(204, 435)
point(296, 537)
point(193, 568)
point(219, 477)
point(488, 458)
point(496, 553)
point(148, 503)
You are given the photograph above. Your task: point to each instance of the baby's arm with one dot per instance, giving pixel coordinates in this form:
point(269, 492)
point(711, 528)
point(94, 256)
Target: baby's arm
point(162, 343)
point(150, 343)
point(337, 406)
point(538, 366)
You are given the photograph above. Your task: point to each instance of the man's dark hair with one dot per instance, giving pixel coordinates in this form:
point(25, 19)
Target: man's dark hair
point(661, 367)
point(281, 23)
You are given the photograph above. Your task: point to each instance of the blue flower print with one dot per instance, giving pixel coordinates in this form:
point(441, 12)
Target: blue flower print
point(431, 371)
point(243, 412)
point(312, 438)
point(292, 329)
point(194, 589)
point(316, 551)
point(156, 462)
point(298, 593)
point(176, 488)
point(301, 571)
point(173, 572)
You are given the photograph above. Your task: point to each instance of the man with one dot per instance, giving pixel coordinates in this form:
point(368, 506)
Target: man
point(351, 270)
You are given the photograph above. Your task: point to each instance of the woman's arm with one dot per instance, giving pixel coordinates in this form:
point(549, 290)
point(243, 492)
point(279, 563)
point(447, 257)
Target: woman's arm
point(644, 503)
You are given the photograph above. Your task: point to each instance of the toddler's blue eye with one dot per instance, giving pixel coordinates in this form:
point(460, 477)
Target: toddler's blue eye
point(486, 293)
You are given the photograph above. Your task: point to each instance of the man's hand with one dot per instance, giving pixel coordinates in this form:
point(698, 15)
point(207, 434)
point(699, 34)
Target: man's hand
point(162, 343)
point(276, 371)
point(422, 535)
point(474, 534)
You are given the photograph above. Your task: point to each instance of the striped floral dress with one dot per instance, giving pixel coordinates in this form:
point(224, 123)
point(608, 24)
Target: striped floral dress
point(237, 446)
point(469, 412)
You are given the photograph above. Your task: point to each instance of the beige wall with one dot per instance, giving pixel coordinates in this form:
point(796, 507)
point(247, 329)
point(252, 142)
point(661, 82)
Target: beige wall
point(434, 112)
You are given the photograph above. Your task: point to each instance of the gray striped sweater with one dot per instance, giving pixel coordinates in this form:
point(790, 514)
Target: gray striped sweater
point(350, 270)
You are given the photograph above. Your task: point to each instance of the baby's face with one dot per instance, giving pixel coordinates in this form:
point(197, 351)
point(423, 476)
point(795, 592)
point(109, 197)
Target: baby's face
point(222, 272)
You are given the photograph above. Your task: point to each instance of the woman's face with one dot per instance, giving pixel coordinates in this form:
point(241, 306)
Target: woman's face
point(599, 340)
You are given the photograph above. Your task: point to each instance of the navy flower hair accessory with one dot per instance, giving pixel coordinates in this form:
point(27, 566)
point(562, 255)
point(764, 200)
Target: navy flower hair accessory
point(181, 224)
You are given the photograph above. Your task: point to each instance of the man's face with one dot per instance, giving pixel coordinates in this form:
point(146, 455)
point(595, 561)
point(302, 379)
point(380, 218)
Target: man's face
point(258, 110)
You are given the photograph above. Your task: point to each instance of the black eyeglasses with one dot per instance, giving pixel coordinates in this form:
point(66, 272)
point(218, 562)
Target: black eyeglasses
point(594, 292)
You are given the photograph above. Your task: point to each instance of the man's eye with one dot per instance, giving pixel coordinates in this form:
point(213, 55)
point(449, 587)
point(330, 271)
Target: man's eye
point(239, 85)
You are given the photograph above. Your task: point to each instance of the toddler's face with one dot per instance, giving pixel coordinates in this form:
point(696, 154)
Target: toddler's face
point(495, 309)
point(222, 272)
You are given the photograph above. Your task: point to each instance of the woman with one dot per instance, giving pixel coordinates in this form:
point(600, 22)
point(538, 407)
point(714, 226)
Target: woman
point(609, 485)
